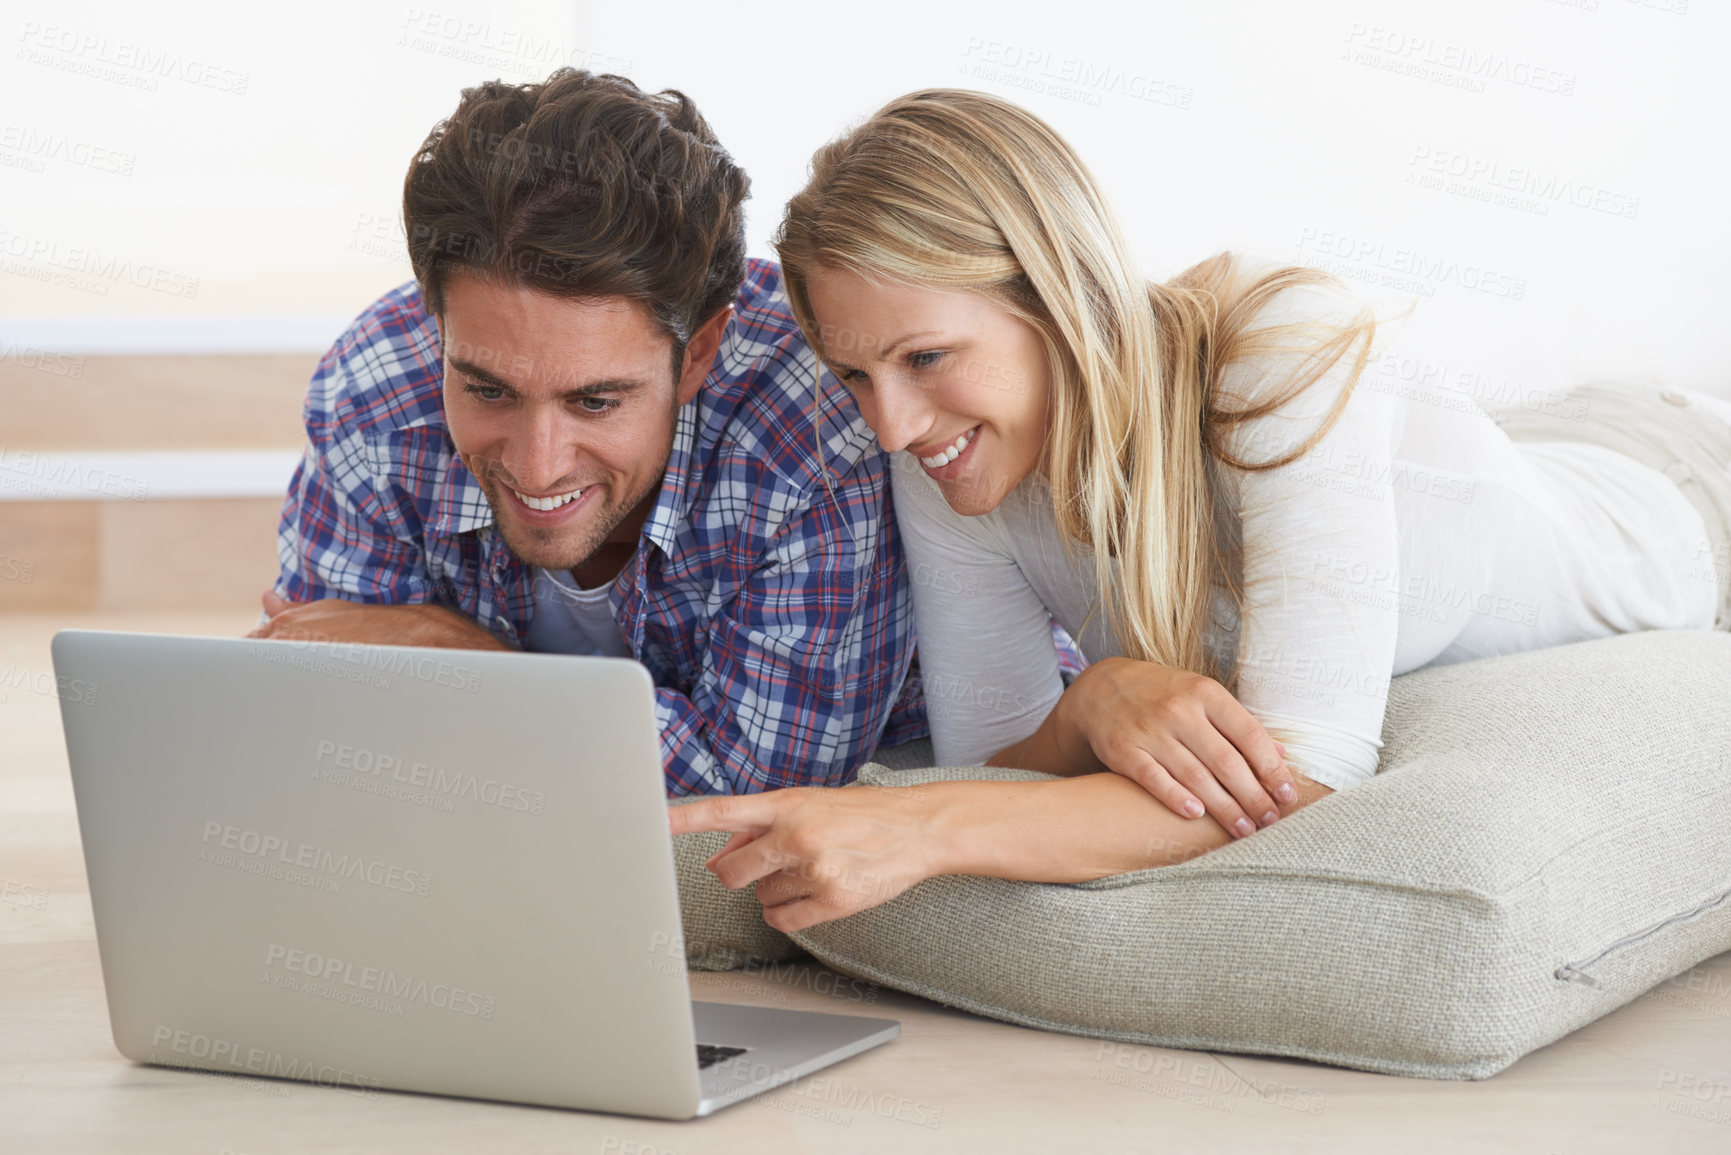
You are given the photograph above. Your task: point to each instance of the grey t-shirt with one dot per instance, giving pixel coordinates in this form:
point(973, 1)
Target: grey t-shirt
point(572, 620)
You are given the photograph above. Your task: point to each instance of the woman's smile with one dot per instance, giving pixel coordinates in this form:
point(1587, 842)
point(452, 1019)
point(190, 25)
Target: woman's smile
point(949, 462)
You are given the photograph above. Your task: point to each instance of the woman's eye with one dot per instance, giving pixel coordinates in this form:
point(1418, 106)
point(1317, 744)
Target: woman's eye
point(854, 378)
point(925, 359)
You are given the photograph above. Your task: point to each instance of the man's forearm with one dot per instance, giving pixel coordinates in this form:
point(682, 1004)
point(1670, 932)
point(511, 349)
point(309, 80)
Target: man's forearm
point(337, 620)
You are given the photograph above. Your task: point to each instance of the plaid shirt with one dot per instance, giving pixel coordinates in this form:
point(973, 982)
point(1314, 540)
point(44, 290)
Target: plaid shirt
point(768, 597)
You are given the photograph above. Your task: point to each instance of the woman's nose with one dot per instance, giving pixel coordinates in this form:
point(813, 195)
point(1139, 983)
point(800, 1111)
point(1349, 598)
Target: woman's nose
point(903, 414)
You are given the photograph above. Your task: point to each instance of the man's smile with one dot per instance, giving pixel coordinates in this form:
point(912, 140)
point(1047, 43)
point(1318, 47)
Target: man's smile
point(551, 502)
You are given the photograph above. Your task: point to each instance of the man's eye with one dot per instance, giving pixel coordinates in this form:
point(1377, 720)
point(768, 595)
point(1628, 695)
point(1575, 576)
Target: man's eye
point(925, 359)
point(485, 392)
point(597, 404)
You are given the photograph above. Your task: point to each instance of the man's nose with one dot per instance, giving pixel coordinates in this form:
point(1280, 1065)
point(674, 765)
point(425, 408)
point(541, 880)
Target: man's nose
point(539, 454)
point(903, 413)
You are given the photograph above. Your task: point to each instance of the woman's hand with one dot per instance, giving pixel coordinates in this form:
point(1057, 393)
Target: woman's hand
point(1183, 737)
point(818, 853)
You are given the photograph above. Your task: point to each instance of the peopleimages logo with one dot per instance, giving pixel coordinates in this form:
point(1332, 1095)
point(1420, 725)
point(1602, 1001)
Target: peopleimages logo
point(171, 1047)
point(271, 854)
point(122, 61)
point(325, 971)
point(1403, 269)
point(362, 768)
point(356, 662)
point(74, 690)
point(36, 474)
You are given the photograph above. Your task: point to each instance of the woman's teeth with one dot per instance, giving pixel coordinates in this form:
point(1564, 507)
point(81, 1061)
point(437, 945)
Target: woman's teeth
point(546, 503)
point(944, 456)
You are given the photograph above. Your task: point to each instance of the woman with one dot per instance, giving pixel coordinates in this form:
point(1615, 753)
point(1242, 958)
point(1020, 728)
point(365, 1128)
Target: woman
point(1276, 542)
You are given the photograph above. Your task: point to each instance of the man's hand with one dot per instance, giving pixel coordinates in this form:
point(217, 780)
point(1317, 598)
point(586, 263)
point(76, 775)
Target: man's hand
point(818, 853)
point(336, 620)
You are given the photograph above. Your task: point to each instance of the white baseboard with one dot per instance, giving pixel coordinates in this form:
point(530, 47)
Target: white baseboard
point(122, 336)
point(48, 475)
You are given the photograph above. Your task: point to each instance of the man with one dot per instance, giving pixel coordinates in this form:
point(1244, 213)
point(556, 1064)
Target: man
point(592, 426)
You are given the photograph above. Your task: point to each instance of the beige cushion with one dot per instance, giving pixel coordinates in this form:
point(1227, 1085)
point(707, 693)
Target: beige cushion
point(1546, 838)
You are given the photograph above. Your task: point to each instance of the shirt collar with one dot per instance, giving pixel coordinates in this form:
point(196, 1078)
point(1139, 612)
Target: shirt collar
point(674, 502)
point(459, 503)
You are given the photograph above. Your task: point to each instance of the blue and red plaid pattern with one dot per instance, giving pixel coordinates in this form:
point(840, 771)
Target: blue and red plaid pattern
point(768, 597)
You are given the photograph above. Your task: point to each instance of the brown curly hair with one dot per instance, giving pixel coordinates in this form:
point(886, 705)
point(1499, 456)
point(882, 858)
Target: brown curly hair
point(583, 186)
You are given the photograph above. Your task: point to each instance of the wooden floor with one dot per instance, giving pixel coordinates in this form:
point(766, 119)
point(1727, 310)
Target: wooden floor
point(1654, 1076)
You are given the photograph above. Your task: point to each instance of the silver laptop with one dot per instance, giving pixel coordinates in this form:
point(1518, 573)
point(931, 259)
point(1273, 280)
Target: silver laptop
point(382, 867)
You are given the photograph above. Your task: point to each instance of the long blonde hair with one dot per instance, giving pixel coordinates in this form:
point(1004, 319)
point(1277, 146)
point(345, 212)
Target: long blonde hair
point(955, 189)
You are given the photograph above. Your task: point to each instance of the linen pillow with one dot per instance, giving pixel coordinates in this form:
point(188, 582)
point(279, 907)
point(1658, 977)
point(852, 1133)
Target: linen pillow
point(1545, 840)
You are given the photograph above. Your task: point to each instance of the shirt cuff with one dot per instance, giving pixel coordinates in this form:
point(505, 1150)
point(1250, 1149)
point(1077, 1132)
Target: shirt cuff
point(1339, 759)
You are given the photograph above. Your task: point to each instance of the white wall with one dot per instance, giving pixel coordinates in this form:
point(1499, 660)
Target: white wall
point(1260, 124)
point(188, 161)
point(1267, 125)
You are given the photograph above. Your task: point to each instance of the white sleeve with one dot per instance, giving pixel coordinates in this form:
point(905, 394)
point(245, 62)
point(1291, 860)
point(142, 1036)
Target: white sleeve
point(1315, 653)
point(987, 659)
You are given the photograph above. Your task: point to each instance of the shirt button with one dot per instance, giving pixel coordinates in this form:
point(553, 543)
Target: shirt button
point(1674, 397)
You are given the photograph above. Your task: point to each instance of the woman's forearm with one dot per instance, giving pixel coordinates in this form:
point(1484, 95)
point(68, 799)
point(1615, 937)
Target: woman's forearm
point(1071, 830)
point(818, 854)
point(1057, 747)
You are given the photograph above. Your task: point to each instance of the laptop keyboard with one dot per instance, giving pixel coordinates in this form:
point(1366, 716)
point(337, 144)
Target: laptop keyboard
point(708, 1054)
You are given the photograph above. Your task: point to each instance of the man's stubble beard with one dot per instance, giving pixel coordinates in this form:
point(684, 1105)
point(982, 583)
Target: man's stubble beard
point(537, 547)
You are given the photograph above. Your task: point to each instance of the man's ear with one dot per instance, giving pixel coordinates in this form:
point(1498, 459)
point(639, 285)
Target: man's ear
point(700, 353)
